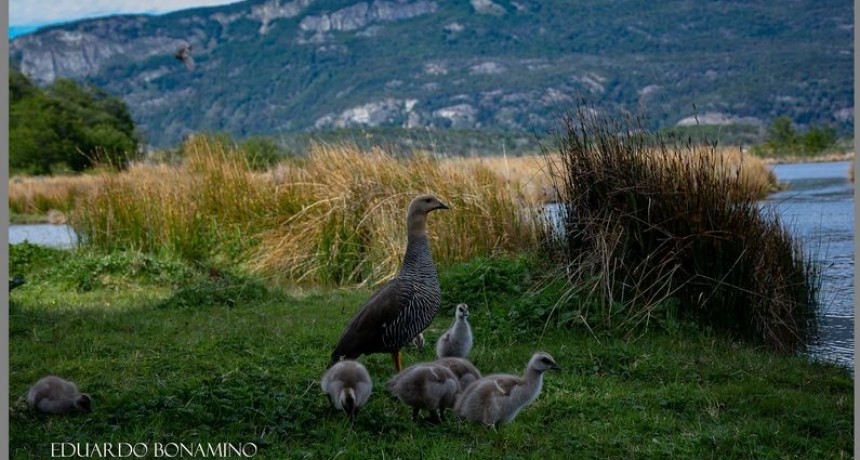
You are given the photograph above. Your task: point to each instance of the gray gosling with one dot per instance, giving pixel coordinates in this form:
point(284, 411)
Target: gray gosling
point(419, 342)
point(465, 371)
point(54, 395)
point(426, 386)
point(496, 399)
point(348, 386)
point(456, 341)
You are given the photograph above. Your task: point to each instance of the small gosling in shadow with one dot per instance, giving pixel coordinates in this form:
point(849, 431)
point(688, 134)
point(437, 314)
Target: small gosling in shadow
point(496, 399)
point(54, 395)
point(465, 371)
point(426, 386)
point(419, 342)
point(348, 386)
point(456, 341)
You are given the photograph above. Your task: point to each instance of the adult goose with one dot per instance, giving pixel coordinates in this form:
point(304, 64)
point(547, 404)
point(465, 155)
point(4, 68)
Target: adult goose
point(404, 306)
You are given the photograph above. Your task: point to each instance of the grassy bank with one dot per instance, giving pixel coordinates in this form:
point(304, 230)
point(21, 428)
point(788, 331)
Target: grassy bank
point(173, 354)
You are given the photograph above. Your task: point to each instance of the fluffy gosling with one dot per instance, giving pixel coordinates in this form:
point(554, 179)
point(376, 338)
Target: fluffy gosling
point(456, 341)
point(419, 342)
point(496, 399)
point(54, 395)
point(426, 386)
point(348, 386)
point(465, 371)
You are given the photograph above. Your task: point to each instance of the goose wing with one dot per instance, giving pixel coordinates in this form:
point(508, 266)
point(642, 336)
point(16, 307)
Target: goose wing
point(364, 333)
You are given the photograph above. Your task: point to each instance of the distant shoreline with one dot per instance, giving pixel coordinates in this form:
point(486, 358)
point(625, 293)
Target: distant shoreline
point(845, 156)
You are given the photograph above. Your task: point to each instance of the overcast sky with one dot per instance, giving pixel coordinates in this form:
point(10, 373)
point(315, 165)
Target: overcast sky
point(23, 13)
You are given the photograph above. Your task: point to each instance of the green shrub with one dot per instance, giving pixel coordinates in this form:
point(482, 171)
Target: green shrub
point(25, 258)
point(217, 288)
point(783, 139)
point(66, 127)
point(486, 282)
point(87, 270)
point(262, 152)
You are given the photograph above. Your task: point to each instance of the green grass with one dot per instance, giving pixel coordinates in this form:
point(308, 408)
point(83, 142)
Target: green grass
point(171, 353)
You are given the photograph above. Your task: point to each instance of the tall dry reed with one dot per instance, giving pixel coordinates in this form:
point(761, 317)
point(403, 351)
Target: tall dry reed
point(205, 207)
point(534, 180)
point(351, 227)
point(337, 216)
point(41, 194)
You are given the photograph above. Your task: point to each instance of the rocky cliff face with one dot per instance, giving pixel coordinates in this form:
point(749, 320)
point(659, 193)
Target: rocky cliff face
point(273, 65)
point(82, 51)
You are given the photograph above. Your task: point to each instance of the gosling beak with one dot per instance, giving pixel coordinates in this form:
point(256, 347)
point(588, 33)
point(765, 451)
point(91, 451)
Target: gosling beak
point(555, 367)
point(442, 206)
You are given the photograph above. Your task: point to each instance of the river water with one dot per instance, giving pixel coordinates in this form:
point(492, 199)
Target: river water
point(818, 207)
point(57, 236)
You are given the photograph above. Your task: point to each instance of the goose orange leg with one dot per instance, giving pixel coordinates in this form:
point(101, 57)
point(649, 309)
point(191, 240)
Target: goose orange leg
point(398, 361)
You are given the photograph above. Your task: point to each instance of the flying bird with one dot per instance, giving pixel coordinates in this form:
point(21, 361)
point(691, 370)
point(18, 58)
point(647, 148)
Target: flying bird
point(184, 55)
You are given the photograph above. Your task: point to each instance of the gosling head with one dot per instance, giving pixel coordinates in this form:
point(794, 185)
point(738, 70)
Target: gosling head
point(542, 362)
point(462, 311)
point(84, 403)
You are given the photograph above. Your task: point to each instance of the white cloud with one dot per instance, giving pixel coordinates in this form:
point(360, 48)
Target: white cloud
point(31, 13)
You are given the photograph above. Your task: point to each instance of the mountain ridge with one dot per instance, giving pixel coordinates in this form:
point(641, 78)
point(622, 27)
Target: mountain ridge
point(266, 67)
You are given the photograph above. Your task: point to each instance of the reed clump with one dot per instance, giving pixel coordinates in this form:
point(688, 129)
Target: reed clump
point(656, 226)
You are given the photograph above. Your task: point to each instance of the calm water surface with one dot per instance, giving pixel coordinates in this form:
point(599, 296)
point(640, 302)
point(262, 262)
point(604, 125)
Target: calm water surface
point(818, 207)
point(57, 236)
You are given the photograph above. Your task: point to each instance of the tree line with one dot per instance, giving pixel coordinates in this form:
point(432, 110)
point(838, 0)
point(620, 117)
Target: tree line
point(66, 127)
point(784, 139)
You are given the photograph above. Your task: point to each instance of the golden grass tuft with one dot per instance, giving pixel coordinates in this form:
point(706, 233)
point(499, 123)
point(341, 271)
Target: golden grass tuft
point(351, 226)
point(335, 217)
point(535, 178)
point(41, 194)
point(189, 210)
